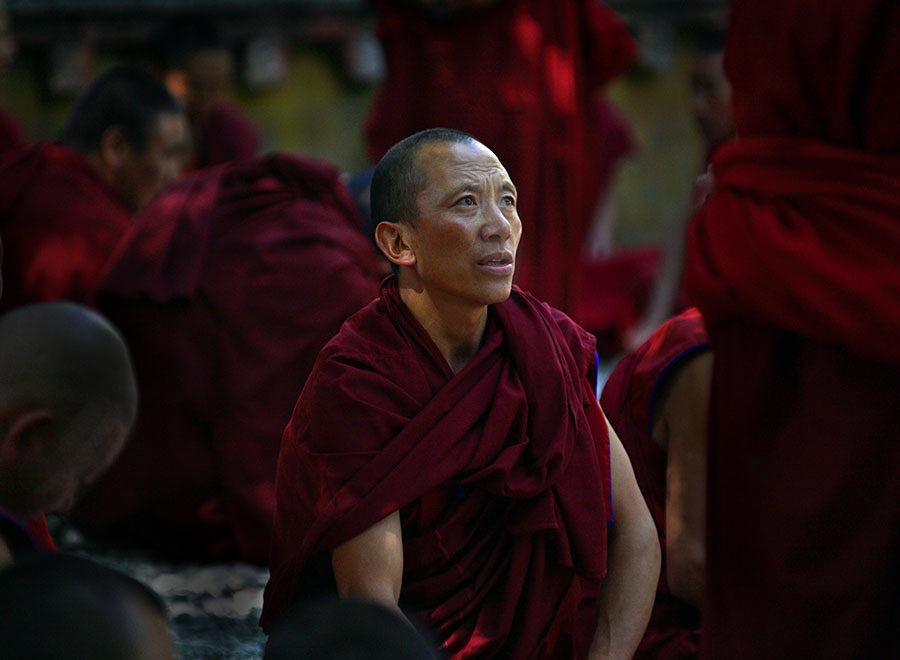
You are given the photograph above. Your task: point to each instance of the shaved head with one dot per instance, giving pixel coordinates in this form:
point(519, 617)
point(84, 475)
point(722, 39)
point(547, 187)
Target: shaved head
point(61, 606)
point(68, 399)
point(67, 357)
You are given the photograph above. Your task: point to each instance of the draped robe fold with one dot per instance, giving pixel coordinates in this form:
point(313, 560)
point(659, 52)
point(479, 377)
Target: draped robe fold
point(500, 473)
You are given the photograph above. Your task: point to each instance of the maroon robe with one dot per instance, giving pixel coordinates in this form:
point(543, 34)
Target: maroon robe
point(224, 135)
point(226, 290)
point(793, 262)
point(628, 401)
point(520, 76)
point(500, 474)
point(60, 223)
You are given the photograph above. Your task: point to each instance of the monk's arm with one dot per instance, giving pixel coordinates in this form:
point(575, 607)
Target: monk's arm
point(684, 415)
point(628, 590)
point(370, 565)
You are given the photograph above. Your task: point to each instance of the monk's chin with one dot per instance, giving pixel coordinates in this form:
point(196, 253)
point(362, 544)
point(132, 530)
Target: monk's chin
point(498, 294)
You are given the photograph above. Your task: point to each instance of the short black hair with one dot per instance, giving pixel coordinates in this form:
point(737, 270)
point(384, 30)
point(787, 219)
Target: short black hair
point(346, 629)
point(56, 605)
point(123, 96)
point(396, 180)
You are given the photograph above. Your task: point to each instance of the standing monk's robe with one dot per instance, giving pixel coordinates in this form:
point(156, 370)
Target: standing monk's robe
point(500, 474)
point(628, 400)
point(519, 76)
point(226, 290)
point(60, 223)
point(793, 262)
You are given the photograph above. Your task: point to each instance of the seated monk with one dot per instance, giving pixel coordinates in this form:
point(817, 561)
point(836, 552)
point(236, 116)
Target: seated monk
point(448, 457)
point(63, 208)
point(657, 399)
point(64, 606)
point(67, 402)
point(226, 290)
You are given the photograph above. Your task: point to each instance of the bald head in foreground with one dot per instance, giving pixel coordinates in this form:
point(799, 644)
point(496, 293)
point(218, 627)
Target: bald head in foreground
point(62, 606)
point(67, 402)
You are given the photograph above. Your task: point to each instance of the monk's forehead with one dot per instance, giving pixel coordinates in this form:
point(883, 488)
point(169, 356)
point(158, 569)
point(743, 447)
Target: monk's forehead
point(459, 160)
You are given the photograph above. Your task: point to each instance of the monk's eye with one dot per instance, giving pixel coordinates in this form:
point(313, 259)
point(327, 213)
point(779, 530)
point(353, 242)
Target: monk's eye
point(468, 200)
point(509, 200)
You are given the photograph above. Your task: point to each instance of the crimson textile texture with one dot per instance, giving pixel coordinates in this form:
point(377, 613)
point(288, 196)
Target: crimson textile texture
point(793, 263)
point(521, 76)
point(225, 291)
point(224, 135)
point(59, 222)
point(628, 400)
point(500, 474)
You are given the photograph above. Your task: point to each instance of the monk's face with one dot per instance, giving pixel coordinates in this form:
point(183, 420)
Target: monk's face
point(468, 229)
point(144, 174)
point(70, 463)
point(711, 98)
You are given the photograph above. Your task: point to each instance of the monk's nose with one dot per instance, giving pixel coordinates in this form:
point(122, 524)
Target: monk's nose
point(497, 225)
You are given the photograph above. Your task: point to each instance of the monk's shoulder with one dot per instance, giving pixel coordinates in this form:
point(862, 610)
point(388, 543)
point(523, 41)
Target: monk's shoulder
point(369, 351)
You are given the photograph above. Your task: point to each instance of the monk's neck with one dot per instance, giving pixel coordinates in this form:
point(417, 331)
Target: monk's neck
point(456, 329)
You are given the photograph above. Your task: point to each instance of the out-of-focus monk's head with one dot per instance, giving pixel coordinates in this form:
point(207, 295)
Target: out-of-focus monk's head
point(68, 400)
point(61, 606)
point(133, 132)
point(346, 629)
point(444, 211)
point(710, 89)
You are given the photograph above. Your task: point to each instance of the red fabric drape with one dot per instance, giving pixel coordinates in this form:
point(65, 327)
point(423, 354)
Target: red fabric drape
point(802, 236)
point(226, 290)
point(383, 422)
point(793, 261)
point(224, 135)
point(59, 222)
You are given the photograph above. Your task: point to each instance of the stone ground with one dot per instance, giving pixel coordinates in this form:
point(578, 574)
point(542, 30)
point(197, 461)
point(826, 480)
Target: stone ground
point(213, 609)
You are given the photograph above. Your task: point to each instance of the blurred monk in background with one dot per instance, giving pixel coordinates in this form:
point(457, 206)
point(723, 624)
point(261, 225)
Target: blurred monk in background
point(190, 55)
point(64, 207)
point(226, 290)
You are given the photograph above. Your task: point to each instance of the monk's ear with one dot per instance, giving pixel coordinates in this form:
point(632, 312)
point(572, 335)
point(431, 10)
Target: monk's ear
point(392, 239)
point(115, 147)
point(25, 431)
